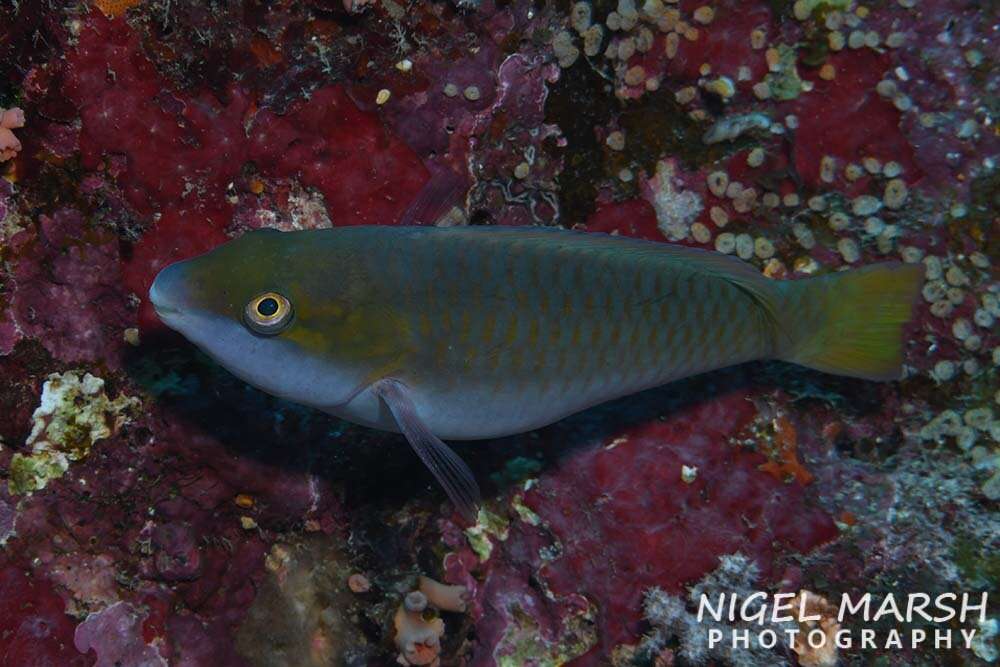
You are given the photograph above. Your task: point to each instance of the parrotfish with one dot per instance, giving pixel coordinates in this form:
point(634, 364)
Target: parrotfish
point(466, 333)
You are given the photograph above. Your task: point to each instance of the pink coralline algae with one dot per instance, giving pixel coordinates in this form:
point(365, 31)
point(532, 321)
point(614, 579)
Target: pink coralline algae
point(621, 517)
point(825, 128)
point(328, 136)
point(66, 288)
point(181, 154)
point(115, 634)
point(207, 141)
point(34, 628)
point(685, 525)
point(211, 524)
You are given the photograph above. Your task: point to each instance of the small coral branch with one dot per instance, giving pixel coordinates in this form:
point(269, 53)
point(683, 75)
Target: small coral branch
point(418, 638)
point(10, 119)
point(443, 596)
point(418, 633)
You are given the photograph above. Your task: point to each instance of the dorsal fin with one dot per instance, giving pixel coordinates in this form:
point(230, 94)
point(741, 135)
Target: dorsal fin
point(436, 199)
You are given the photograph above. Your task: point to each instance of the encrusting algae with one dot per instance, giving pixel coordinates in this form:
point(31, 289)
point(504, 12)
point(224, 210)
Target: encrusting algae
point(74, 413)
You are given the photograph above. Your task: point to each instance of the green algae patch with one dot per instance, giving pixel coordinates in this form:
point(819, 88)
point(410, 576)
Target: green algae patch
point(74, 413)
point(524, 644)
point(489, 526)
point(524, 512)
point(807, 7)
point(784, 80)
point(32, 473)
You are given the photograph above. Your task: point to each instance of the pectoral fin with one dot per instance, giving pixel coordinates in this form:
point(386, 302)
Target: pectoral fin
point(450, 471)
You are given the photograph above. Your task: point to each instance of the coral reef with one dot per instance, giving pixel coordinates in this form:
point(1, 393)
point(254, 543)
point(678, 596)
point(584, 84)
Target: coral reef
point(156, 510)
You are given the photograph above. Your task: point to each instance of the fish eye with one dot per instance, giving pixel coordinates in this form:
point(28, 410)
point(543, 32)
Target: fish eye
point(267, 306)
point(268, 313)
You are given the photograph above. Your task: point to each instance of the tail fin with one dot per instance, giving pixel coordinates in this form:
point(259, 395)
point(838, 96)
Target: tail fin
point(850, 323)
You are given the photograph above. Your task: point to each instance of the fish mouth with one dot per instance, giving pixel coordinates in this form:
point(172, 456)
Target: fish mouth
point(164, 291)
point(166, 312)
point(171, 317)
point(160, 304)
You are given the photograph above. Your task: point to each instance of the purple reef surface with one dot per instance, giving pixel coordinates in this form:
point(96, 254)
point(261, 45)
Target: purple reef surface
point(154, 510)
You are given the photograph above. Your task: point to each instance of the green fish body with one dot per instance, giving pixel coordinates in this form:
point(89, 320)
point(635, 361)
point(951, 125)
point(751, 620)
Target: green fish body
point(480, 332)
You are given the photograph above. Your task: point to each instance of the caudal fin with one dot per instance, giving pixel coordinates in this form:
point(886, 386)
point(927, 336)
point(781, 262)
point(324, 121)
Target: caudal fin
point(850, 323)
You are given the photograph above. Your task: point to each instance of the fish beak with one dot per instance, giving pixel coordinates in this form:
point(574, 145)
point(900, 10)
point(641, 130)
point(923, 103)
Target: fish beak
point(167, 291)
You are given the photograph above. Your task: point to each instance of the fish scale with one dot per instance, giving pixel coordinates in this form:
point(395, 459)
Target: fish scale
point(620, 336)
